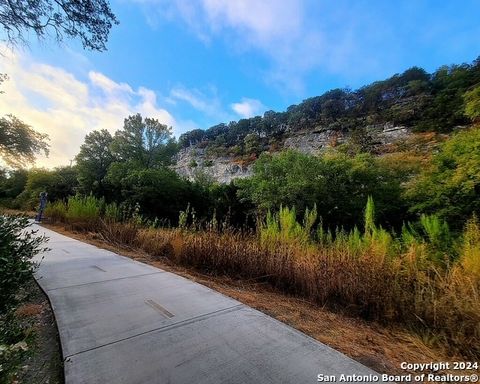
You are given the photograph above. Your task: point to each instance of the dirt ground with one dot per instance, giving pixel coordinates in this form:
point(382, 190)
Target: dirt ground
point(378, 347)
point(44, 363)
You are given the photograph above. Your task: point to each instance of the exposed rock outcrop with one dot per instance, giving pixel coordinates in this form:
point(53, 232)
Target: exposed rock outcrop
point(193, 160)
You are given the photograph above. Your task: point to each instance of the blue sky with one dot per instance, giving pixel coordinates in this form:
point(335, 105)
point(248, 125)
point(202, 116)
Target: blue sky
point(193, 64)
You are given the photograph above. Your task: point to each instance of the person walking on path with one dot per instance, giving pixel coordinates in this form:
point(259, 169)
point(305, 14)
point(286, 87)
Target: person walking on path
point(43, 204)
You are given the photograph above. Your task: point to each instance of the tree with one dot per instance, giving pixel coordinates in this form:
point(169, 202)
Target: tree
point(59, 183)
point(159, 192)
point(191, 138)
point(472, 104)
point(88, 20)
point(146, 142)
point(13, 183)
point(19, 143)
point(337, 184)
point(450, 187)
point(65, 183)
point(93, 161)
point(252, 144)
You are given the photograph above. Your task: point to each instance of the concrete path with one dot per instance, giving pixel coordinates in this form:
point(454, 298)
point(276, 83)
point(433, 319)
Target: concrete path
point(121, 321)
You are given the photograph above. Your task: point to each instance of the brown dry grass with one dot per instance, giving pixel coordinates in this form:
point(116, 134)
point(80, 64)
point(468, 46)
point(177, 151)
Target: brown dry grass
point(29, 310)
point(379, 346)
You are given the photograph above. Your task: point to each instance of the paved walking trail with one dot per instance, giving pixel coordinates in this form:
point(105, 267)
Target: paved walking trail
point(121, 321)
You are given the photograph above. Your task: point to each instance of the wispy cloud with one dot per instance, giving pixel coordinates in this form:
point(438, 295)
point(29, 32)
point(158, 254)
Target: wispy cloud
point(273, 28)
point(208, 102)
point(248, 107)
point(293, 40)
point(55, 102)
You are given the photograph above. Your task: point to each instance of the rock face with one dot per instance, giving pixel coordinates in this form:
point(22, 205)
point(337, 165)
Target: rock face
point(192, 161)
point(315, 142)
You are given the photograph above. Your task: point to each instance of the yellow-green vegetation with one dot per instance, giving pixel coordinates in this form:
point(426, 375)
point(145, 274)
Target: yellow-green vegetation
point(472, 103)
point(420, 278)
point(450, 184)
point(84, 210)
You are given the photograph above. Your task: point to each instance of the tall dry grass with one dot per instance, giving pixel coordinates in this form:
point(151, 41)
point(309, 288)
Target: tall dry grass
point(409, 279)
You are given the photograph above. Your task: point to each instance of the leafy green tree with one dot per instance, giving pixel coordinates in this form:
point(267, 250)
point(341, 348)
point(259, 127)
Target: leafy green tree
point(337, 184)
point(88, 20)
point(12, 183)
point(19, 143)
point(65, 183)
point(450, 187)
point(160, 192)
point(93, 162)
point(59, 183)
point(472, 104)
point(146, 142)
point(191, 138)
point(252, 144)
point(285, 178)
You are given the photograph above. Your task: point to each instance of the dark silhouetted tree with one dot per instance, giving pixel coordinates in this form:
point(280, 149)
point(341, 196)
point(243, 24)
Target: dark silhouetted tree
point(88, 20)
point(19, 143)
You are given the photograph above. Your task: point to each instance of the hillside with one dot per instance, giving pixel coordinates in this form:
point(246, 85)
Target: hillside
point(371, 118)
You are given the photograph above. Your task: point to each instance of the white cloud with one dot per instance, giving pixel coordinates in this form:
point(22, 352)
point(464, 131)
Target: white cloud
point(261, 21)
point(56, 102)
point(296, 37)
point(277, 29)
point(108, 85)
point(248, 107)
point(208, 103)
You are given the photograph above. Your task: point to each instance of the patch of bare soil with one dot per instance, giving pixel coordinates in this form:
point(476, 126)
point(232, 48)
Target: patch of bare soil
point(44, 364)
point(382, 348)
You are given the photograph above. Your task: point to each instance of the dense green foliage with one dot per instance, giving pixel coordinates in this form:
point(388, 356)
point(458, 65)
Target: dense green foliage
point(12, 184)
point(93, 161)
point(450, 186)
point(472, 103)
point(19, 143)
point(144, 142)
point(17, 247)
point(59, 183)
point(336, 184)
point(160, 192)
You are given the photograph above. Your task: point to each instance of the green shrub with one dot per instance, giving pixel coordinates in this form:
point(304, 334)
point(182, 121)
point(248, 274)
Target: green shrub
point(14, 345)
point(84, 212)
point(439, 239)
point(113, 213)
point(56, 211)
point(283, 226)
point(17, 247)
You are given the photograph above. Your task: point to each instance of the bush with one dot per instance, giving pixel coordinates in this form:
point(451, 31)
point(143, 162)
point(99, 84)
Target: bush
point(113, 213)
point(336, 184)
point(56, 212)
point(17, 247)
point(450, 186)
point(84, 212)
